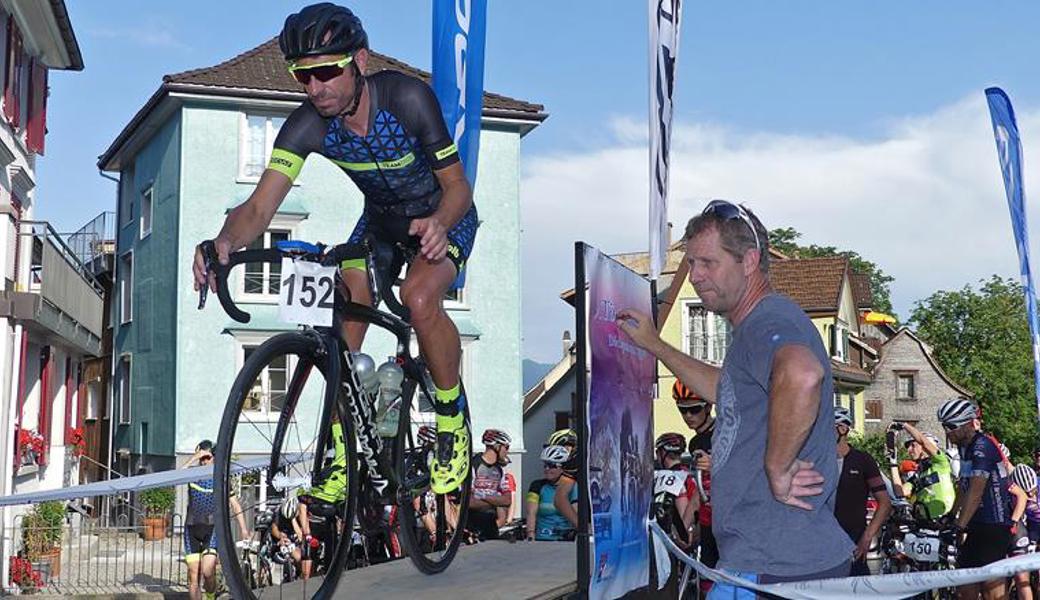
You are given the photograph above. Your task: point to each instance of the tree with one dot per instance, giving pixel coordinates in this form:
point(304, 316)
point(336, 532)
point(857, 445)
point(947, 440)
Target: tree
point(980, 338)
point(785, 239)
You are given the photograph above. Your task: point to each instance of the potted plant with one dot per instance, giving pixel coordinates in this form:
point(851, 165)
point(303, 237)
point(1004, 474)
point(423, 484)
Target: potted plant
point(156, 502)
point(41, 537)
point(24, 576)
point(30, 448)
point(77, 443)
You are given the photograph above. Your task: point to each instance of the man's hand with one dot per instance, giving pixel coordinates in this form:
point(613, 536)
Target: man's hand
point(798, 481)
point(702, 460)
point(202, 277)
point(861, 548)
point(433, 238)
point(639, 327)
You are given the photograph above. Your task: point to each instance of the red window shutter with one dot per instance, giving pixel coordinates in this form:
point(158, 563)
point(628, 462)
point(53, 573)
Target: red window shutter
point(10, 98)
point(37, 128)
point(68, 401)
point(13, 83)
point(46, 401)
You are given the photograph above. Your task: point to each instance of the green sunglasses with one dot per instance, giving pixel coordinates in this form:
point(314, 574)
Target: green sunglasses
point(321, 71)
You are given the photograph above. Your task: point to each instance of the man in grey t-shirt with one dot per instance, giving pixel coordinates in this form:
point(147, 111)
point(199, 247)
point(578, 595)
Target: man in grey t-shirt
point(774, 466)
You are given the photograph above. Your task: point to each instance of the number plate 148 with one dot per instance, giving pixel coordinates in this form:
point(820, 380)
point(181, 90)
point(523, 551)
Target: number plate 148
point(306, 293)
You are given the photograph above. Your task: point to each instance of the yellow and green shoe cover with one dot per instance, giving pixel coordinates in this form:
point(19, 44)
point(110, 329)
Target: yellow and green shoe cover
point(451, 463)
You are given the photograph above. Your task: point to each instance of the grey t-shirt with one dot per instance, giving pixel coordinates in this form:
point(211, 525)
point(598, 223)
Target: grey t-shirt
point(755, 532)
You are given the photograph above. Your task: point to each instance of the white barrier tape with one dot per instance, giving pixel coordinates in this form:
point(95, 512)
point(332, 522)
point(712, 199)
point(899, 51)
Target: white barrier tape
point(885, 587)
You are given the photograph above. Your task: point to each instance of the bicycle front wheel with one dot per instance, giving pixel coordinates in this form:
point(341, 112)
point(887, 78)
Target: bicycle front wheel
point(286, 434)
point(432, 526)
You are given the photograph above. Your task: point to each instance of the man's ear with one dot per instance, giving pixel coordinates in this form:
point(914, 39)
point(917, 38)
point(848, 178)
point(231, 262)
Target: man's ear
point(752, 258)
point(361, 58)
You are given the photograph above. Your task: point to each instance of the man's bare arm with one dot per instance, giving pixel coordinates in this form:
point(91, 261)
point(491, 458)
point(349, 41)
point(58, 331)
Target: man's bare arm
point(701, 377)
point(246, 221)
point(794, 403)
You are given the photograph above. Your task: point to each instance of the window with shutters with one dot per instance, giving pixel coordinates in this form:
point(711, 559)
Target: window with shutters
point(706, 335)
point(873, 411)
point(906, 384)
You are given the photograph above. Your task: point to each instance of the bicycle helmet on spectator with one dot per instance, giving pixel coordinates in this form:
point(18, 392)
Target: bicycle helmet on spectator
point(556, 454)
point(1024, 477)
point(562, 437)
point(684, 396)
point(323, 28)
point(957, 412)
point(427, 436)
point(672, 443)
point(495, 437)
point(290, 506)
point(842, 416)
point(927, 436)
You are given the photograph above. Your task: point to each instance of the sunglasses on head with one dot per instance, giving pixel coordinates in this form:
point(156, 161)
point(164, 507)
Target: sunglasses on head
point(692, 410)
point(321, 71)
point(730, 211)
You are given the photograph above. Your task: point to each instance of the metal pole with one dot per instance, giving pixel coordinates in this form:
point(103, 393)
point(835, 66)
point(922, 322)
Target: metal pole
point(580, 410)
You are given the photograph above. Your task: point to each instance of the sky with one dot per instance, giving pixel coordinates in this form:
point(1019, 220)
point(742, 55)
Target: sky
point(861, 125)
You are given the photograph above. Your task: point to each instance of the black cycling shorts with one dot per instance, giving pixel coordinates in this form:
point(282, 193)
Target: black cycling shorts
point(394, 230)
point(198, 540)
point(985, 543)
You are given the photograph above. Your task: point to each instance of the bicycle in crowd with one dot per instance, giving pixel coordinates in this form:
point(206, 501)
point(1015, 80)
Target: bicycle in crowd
point(301, 412)
point(910, 542)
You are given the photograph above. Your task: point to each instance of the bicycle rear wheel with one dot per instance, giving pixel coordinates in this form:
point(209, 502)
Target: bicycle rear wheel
point(432, 526)
point(286, 431)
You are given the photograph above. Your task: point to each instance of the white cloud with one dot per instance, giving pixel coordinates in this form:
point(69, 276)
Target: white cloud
point(150, 35)
point(923, 198)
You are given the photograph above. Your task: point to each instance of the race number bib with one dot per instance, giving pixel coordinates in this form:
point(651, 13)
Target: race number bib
point(669, 482)
point(306, 293)
point(924, 548)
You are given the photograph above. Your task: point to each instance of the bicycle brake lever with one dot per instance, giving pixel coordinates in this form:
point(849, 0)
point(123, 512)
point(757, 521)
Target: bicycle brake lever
point(209, 253)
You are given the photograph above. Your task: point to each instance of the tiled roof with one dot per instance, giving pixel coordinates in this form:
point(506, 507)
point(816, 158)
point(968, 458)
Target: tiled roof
point(263, 69)
point(813, 283)
point(849, 373)
point(861, 293)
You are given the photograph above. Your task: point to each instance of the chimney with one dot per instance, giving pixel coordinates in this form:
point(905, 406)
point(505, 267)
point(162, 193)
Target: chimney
point(566, 343)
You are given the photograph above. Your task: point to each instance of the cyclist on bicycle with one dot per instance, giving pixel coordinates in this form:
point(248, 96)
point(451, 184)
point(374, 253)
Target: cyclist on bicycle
point(932, 485)
point(675, 501)
point(286, 532)
point(488, 488)
point(386, 132)
point(696, 413)
point(1023, 487)
point(200, 537)
point(983, 507)
point(544, 521)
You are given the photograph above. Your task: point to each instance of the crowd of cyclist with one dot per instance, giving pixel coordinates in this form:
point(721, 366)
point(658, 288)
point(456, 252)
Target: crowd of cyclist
point(967, 489)
point(298, 530)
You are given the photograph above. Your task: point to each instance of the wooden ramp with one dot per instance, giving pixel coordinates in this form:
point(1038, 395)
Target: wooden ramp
point(486, 571)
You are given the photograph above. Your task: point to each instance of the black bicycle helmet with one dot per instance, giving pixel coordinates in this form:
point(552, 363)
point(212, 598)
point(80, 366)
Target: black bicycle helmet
point(323, 28)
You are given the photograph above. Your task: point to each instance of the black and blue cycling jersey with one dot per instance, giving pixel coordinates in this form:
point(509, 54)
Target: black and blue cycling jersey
point(393, 164)
point(981, 458)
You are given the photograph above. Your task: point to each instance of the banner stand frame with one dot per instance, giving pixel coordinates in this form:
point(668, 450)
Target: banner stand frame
point(580, 410)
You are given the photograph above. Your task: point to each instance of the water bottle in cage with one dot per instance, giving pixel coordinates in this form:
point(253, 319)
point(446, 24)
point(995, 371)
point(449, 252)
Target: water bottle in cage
point(390, 376)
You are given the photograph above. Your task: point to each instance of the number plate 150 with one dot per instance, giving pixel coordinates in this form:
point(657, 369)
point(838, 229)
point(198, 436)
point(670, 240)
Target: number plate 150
point(921, 549)
point(306, 293)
